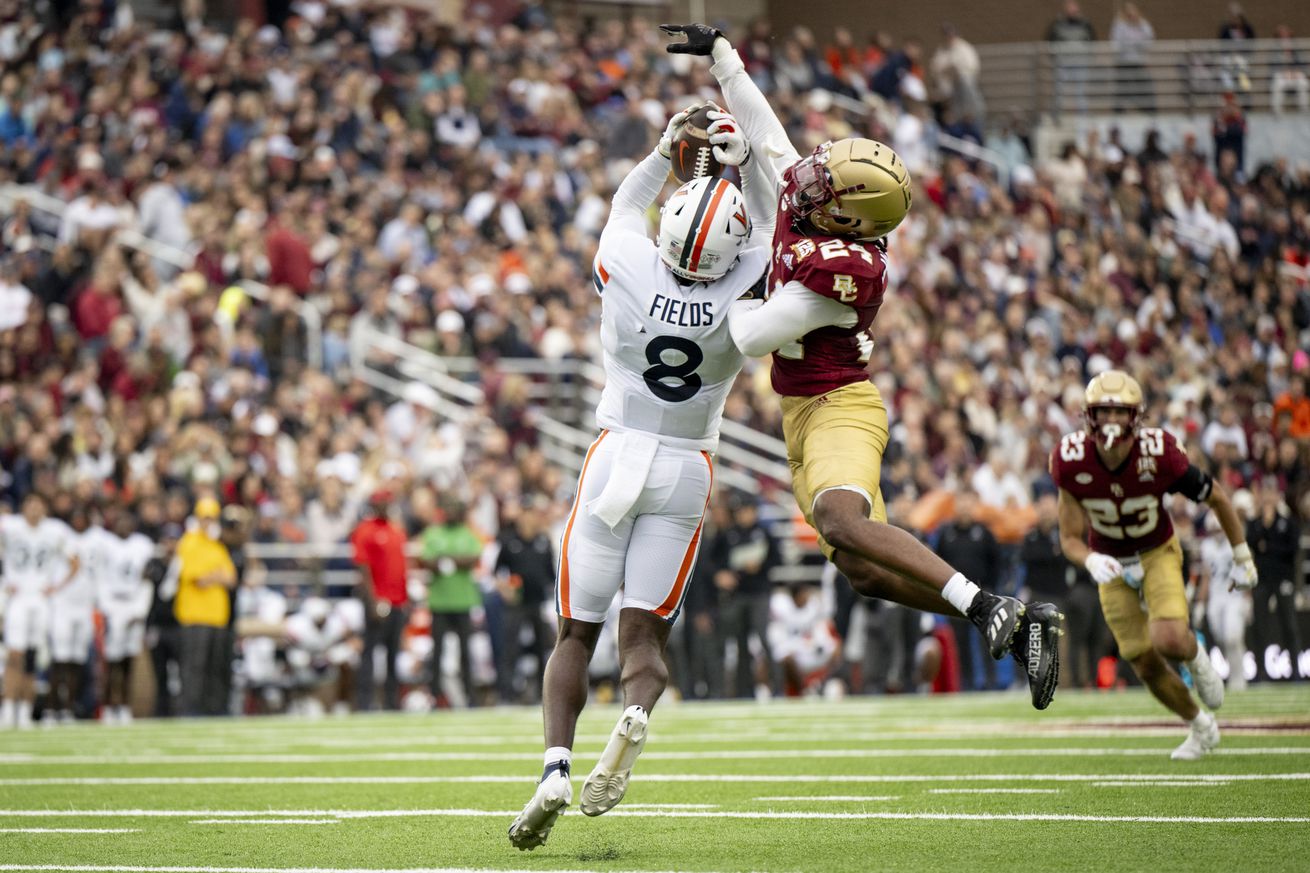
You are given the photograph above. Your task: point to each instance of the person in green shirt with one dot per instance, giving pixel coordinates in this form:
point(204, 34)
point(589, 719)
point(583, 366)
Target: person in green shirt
point(451, 550)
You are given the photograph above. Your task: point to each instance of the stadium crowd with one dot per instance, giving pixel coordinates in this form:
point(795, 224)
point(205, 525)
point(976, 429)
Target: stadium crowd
point(445, 185)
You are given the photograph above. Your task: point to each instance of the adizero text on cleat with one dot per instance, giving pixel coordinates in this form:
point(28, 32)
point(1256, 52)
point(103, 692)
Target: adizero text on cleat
point(1036, 648)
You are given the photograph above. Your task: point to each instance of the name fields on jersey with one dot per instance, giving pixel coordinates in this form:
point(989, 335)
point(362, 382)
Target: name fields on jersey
point(682, 313)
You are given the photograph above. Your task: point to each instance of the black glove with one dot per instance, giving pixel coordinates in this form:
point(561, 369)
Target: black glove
point(700, 38)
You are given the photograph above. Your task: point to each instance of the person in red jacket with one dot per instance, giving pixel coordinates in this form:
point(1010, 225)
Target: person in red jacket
point(379, 547)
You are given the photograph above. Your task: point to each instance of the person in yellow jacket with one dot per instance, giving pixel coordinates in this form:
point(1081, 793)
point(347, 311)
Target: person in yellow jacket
point(203, 606)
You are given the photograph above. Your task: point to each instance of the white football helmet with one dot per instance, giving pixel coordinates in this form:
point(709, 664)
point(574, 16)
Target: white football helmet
point(702, 228)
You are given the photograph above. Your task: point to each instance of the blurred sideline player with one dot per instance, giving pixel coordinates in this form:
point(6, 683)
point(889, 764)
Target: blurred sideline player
point(38, 558)
point(827, 282)
point(124, 596)
point(323, 649)
point(1226, 609)
point(646, 481)
point(72, 616)
point(1113, 476)
point(803, 639)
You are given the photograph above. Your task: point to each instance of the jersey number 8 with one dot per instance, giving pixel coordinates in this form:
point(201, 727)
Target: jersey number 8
point(684, 372)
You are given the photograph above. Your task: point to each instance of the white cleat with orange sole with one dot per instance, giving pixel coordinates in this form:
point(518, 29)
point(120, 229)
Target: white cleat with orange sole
point(608, 782)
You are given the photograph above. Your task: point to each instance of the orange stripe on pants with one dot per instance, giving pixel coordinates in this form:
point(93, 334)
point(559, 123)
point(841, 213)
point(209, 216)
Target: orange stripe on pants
point(568, 529)
point(688, 558)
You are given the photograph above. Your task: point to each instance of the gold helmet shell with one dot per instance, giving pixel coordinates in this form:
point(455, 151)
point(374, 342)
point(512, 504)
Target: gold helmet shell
point(1111, 389)
point(854, 187)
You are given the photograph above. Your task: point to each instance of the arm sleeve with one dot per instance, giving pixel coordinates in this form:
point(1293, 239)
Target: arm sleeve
point(1195, 484)
point(748, 104)
point(636, 195)
point(791, 313)
point(761, 194)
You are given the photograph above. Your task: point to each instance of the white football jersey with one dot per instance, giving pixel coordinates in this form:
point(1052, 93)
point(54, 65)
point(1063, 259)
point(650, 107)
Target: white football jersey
point(125, 569)
point(34, 557)
point(92, 552)
point(669, 358)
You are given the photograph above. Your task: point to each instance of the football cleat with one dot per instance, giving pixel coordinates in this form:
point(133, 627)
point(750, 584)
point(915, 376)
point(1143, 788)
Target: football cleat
point(998, 618)
point(553, 795)
point(608, 782)
point(1209, 687)
point(1037, 649)
point(1203, 737)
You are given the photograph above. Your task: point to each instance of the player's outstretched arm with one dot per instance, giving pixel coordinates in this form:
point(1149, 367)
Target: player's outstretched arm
point(790, 313)
point(743, 96)
point(732, 148)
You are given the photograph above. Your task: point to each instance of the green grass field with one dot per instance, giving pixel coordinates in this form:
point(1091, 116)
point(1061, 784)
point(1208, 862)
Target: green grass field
point(969, 783)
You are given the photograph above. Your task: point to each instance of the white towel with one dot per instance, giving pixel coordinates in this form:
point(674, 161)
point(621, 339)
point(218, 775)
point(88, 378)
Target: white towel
point(628, 472)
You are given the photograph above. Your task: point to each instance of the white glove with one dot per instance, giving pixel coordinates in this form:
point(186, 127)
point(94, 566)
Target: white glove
point(1103, 568)
point(1243, 576)
point(730, 145)
point(665, 148)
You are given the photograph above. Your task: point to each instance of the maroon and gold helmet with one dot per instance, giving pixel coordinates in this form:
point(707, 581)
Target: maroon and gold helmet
point(854, 187)
point(1113, 389)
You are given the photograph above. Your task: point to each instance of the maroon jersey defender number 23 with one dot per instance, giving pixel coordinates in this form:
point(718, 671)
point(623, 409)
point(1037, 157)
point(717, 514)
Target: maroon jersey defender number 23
point(1125, 507)
point(849, 272)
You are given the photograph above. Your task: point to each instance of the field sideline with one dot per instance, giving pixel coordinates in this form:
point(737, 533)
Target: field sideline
point(975, 783)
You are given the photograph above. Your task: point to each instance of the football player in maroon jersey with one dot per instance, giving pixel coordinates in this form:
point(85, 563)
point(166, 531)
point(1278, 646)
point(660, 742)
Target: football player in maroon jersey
point(1113, 476)
point(826, 284)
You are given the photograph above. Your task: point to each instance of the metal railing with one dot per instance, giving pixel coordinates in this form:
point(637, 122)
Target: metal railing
point(563, 395)
point(1166, 76)
point(131, 238)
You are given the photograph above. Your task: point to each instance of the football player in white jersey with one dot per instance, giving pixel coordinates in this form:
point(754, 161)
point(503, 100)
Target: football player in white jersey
point(124, 597)
point(37, 560)
point(636, 521)
point(72, 615)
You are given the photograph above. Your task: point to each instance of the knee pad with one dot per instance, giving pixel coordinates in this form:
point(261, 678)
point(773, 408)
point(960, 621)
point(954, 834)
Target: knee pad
point(29, 661)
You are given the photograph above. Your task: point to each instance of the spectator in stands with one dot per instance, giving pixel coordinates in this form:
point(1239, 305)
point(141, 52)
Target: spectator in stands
point(746, 553)
point(1132, 36)
point(1296, 404)
point(1236, 27)
point(1071, 36)
point(15, 297)
point(451, 550)
point(1288, 69)
point(955, 68)
point(206, 576)
point(1229, 130)
point(379, 548)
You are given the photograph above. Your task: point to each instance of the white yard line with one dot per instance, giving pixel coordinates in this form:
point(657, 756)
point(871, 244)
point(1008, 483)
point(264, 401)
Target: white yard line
point(833, 798)
point(718, 755)
point(1010, 790)
point(70, 830)
point(510, 813)
point(268, 821)
point(1163, 783)
point(493, 779)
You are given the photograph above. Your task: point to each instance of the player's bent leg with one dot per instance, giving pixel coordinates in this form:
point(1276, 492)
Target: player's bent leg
point(564, 689)
point(1165, 684)
point(1173, 639)
point(644, 675)
point(871, 580)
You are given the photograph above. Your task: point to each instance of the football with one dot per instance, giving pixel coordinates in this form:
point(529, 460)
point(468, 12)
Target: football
point(692, 155)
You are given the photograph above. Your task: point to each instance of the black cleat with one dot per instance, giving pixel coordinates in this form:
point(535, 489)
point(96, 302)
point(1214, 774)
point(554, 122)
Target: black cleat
point(998, 618)
point(1036, 648)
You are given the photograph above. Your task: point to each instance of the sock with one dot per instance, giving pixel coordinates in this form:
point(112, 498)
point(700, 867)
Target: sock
point(7, 712)
point(24, 711)
point(558, 758)
point(960, 592)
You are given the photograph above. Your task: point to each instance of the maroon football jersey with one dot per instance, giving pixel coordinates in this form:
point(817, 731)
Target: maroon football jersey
point(849, 272)
point(1125, 507)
